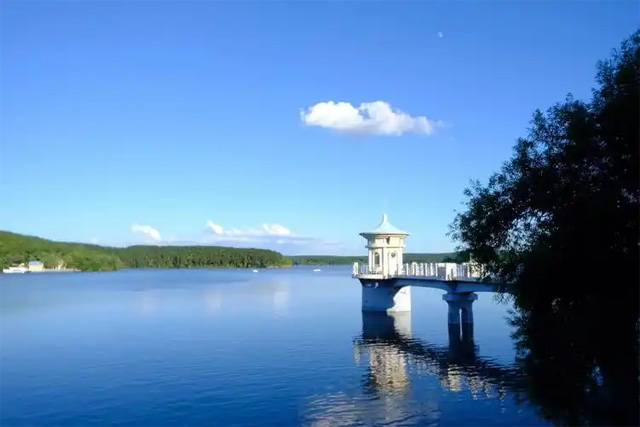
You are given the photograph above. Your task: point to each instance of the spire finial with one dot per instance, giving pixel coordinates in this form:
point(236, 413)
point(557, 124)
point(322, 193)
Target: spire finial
point(385, 218)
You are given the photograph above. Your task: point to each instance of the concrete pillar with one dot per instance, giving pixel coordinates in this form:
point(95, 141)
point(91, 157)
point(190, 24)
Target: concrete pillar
point(460, 304)
point(382, 297)
point(453, 316)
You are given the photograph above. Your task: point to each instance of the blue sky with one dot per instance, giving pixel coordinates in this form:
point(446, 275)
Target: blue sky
point(291, 125)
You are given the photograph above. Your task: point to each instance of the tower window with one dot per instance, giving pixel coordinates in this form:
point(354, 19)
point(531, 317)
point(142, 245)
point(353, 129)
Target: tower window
point(376, 259)
point(388, 240)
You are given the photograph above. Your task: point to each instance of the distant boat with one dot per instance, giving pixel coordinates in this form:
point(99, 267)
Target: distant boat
point(15, 270)
point(316, 269)
point(255, 271)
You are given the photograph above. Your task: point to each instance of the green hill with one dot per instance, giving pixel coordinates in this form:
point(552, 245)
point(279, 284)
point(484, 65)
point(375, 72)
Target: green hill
point(17, 248)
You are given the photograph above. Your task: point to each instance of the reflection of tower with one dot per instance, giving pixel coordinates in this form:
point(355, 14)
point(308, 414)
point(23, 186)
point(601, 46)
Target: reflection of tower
point(387, 363)
point(462, 352)
point(383, 326)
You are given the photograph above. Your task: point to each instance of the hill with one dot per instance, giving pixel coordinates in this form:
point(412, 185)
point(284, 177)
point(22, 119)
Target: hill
point(18, 248)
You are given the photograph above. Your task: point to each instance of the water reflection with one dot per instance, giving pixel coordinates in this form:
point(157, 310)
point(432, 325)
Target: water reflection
point(146, 303)
point(277, 295)
point(213, 301)
point(387, 363)
point(568, 376)
point(398, 386)
point(281, 301)
point(580, 366)
point(392, 353)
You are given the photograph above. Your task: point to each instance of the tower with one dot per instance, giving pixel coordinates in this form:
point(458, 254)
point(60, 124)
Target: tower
point(386, 246)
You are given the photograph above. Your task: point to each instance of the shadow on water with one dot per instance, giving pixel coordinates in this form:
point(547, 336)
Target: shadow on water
point(580, 366)
point(566, 376)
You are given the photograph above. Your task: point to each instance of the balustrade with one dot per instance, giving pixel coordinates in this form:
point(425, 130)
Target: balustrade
point(447, 271)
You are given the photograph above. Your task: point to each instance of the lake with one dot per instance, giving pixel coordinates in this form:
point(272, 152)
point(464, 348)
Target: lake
point(235, 348)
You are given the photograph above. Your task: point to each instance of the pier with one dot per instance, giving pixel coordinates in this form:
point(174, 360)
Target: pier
point(386, 280)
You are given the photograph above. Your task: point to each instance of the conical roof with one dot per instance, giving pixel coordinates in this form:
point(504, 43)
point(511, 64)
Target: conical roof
point(385, 227)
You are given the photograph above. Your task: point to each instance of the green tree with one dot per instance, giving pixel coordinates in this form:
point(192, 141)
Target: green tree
point(17, 248)
point(559, 225)
point(560, 220)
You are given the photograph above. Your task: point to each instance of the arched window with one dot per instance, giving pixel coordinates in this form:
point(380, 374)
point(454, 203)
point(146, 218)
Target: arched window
point(376, 259)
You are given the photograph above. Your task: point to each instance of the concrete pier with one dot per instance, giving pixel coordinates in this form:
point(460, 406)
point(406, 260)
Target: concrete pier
point(460, 307)
point(381, 297)
point(386, 280)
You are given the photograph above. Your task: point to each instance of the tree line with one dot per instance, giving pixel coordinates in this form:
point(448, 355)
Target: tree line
point(17, 248)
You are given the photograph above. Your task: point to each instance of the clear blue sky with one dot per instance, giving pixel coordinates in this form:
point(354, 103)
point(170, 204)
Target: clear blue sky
point(167, 115)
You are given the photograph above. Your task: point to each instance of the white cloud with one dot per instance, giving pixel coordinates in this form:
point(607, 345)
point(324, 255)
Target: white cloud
point(440, 34)
point(369, 118)
point(276, 230)
point(269, 236)
point(147, 230)
point(94, 240)
point(215, 227)
point(244, 234)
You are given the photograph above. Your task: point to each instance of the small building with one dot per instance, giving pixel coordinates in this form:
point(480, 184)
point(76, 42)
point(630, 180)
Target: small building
point(386, 246)
point(36, 266)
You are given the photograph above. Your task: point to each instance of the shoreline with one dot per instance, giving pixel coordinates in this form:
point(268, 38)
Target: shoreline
point(55, 270)
point(71, 270)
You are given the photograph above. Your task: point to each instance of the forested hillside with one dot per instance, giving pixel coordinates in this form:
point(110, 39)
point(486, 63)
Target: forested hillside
point(199, 256)
point(17, 248)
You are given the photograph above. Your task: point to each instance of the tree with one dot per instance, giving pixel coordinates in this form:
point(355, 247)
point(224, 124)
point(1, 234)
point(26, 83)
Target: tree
point(559, 225)
point(560, 220)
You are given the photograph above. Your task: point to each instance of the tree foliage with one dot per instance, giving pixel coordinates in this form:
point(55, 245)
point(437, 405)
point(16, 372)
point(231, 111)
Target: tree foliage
point(17, 248)
point(559, 224)
point(560, 220)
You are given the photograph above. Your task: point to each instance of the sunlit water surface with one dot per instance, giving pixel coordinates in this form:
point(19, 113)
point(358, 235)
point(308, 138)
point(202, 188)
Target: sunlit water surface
point(233, 347)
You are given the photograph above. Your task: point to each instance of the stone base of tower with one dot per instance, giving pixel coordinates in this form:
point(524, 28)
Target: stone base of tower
point(382, 297)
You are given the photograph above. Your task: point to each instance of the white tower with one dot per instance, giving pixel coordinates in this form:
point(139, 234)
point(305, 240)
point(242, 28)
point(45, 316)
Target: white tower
point(386, 246)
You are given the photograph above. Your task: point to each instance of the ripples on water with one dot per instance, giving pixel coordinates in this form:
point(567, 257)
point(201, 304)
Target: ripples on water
point(228, 347)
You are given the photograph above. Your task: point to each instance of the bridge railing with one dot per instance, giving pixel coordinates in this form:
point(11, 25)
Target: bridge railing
point(363, 270)
point(441, 270)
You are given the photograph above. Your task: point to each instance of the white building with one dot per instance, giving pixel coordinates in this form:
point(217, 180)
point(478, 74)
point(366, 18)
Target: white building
point(386, 246)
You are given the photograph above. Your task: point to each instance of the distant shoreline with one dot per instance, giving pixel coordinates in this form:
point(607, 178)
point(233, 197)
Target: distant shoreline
point(70, 270)
point(54, 270)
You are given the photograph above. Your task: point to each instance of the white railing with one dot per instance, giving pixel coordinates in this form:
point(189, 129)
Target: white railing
point(363, 270)
point(442, 270)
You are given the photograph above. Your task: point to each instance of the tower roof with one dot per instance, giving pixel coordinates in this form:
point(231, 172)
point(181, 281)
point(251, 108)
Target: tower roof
point(385, 227)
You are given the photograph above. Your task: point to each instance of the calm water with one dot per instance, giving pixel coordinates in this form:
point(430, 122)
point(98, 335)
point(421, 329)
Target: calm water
point(230, 347)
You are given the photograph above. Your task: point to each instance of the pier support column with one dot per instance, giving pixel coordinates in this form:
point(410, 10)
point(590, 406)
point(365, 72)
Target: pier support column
point(460, 303)
point(383, 297)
